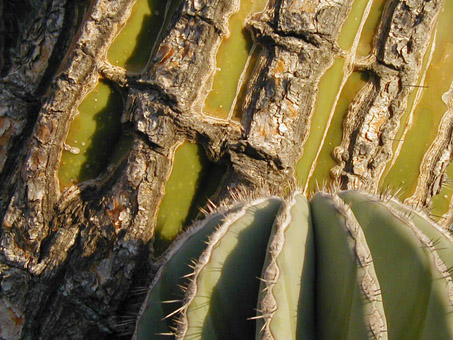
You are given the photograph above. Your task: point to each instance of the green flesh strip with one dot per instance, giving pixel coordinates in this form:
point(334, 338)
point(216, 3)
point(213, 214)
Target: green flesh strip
point(329, 85)
point(192, 181)
point(232, 58)
point(94, 133)
point(440, 203)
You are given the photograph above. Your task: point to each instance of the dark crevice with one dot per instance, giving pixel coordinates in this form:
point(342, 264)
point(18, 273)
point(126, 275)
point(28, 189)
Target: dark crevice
point(210, 22)
point(15, 14)
point(276, 13)
point(74, 13)
point(311, 38)
point(279, 38)
point(385, 26)
point(153, 146)
point(248, 113)
point(166, 98)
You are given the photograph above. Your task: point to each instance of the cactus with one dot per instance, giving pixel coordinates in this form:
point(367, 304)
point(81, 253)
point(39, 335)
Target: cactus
point(97, 96)
point(344, 265)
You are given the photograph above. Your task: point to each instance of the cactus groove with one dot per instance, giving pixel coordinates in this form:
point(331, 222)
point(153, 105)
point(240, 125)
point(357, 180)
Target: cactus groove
point(341, 266)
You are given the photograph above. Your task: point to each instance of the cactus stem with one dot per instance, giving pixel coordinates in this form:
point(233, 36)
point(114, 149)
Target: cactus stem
point(195, 311)
point(367, 278)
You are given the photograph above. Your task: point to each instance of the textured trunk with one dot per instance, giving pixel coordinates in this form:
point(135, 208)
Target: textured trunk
point(71, 260)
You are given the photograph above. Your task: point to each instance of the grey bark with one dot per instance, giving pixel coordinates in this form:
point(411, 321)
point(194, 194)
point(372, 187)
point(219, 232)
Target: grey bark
point(70, 261)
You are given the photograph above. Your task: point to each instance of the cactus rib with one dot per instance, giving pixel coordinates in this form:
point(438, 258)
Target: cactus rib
point(212, 293)
point(286, 300)
point(340, 266)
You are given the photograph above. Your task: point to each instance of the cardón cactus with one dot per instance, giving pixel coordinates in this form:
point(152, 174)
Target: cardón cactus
point(343, 265)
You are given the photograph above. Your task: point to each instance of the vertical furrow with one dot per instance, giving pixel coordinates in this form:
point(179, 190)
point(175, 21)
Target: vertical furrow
point(350, 305)
point(349, 40)
point(286, 302)
point(232, 60)
point(427, 112)
point(221, 297)
point(369, 130)
point(437, 158)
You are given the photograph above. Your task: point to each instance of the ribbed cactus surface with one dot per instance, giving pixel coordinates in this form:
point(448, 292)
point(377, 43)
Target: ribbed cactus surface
point(343, 265)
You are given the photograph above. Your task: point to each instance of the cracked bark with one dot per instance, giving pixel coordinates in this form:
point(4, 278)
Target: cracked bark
point(70, 261)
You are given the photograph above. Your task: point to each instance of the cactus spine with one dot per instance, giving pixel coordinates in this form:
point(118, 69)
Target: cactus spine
point(344, 265)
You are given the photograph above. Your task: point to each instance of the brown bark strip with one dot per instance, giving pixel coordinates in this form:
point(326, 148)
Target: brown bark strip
point(299, 44)
point(27, 221)
point(184, 63)
point(373, 120)
point(41, 31)
point(112, 229)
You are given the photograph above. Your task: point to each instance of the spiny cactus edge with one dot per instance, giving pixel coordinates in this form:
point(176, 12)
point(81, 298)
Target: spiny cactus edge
point(343, 265)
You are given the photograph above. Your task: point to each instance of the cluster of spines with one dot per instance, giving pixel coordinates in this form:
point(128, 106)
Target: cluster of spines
point(332, 245)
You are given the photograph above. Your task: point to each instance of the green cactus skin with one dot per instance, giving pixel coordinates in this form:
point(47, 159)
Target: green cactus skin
point(224, 289)
point(175, 265)
point(414, 280)
point(348, 299)
point(205, 240)
point(342, 266)
point(286, 291)
point(433, 231)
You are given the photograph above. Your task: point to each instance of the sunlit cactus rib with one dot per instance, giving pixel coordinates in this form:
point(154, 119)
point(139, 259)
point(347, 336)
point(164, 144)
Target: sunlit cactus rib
point(224, 289)
point(414, 280)
point(286, 300)
point(343, 265)
point(348, 294)
point(441, 298)
point(439, 236)
point(175, 268)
